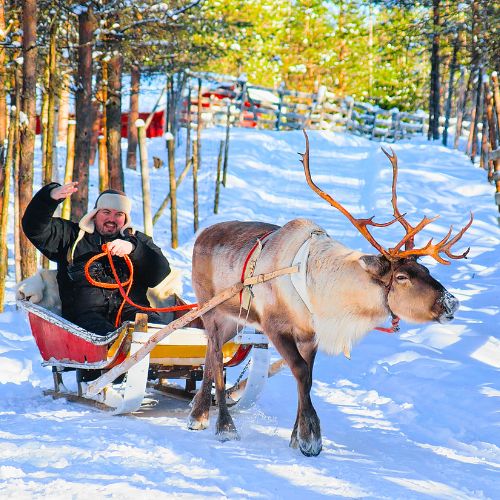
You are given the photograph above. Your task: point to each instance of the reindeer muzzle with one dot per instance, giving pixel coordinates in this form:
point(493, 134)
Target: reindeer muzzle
point(450, 305)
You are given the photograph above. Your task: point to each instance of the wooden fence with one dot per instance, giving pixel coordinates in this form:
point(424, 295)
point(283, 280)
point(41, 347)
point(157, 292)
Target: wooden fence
point(249, 105)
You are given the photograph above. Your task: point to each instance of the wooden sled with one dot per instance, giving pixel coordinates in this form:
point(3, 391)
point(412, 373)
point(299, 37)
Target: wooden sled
point(67, 347)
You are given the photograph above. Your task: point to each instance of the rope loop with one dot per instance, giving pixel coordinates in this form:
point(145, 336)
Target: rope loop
point(128, 283)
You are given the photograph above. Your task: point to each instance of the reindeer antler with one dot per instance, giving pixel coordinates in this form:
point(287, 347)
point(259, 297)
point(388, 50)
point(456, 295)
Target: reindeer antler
point(360, 224)
point(430, 249)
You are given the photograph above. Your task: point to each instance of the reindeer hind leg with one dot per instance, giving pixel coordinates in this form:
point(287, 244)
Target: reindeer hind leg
point(199, 416)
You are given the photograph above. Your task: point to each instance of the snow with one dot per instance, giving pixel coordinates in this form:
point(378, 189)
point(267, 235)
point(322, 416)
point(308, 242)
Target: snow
point(412, 415)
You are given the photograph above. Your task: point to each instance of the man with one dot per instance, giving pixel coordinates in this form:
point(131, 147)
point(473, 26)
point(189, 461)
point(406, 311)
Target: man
point(71, 245)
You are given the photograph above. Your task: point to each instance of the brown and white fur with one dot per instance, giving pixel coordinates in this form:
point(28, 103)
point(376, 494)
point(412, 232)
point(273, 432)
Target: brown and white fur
point(349, 294)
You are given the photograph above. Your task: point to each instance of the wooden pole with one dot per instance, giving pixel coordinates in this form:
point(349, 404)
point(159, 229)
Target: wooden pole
point(70, 162)
point(133, 115)
point(146, 192)
point(4, 218)
point(189, 156)
point(15, 167)
point(173, 192)
point(218, 179)
point(103, 163)
point(197, 159)
point(226, 144)
point(166, 201)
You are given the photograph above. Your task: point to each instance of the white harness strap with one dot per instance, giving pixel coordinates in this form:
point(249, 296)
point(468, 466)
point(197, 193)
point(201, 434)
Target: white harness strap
point(300, 260)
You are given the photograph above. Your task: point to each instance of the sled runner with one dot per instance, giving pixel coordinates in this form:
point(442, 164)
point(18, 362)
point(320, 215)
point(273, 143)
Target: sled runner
point(180, 355)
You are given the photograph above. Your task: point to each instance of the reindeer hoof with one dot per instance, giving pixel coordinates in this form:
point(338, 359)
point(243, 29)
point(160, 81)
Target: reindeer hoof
point(197, 424)
point(226, 432)
point(227, 435)
point(311, 448)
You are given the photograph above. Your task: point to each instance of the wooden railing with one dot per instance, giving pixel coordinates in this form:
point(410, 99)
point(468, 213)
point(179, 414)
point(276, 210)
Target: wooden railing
point(249, 105)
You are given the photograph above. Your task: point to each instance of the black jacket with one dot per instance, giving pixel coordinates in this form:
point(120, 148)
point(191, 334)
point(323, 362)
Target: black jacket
point(55, 237)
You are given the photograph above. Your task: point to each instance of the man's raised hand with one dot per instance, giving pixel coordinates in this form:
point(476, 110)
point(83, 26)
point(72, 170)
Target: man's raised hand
point(61, 192)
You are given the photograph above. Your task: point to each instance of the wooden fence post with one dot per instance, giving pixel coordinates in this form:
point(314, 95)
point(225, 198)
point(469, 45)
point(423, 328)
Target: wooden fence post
point(281, 93)
point(218, 179)
point(165, 202)
point(226, 144)
point(70, 161)
point(146, 193)
point(196, 158)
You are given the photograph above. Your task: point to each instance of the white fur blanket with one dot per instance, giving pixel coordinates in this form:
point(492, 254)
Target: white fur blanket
point(42, 289)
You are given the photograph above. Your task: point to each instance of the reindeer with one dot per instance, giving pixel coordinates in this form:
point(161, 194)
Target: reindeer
point(336, 298)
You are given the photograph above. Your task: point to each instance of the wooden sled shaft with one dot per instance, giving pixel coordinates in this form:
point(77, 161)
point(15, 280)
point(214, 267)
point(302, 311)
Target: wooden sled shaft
point(99, 384)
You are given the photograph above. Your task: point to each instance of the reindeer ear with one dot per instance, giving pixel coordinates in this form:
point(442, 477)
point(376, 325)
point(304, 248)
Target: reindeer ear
point(376, 265)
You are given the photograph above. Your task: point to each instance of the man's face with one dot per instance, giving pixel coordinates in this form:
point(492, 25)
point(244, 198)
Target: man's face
point(108, 222)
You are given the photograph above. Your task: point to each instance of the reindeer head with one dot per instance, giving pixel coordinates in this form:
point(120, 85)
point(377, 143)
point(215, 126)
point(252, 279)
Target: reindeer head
point(412, 293)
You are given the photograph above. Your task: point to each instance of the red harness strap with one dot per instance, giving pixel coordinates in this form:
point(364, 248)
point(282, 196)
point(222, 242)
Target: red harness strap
point(392, 329)
point(262, 240)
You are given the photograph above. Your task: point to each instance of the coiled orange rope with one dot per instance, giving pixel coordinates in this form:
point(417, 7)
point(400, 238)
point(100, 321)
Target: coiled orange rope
point(128, 283)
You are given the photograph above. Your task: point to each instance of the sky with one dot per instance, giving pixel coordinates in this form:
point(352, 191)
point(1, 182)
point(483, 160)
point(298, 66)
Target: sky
point(411, 415)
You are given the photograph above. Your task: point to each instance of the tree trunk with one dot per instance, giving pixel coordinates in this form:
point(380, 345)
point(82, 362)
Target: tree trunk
point(83, 111)
point(99, 124)
point(478, 115)
point(453, 67)
point(3, 110)
point(434, 100)
point(49, 142)
point(27, 130)
point(3, 101)
point(63, 116)
point(460, 108)
point(114, 121)
point(133, 115)
point(5, 167)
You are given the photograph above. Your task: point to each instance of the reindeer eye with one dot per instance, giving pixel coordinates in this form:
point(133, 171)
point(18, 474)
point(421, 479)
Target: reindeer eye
point(401, 277)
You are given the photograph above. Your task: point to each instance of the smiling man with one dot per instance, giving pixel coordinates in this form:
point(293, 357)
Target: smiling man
point(72, 244)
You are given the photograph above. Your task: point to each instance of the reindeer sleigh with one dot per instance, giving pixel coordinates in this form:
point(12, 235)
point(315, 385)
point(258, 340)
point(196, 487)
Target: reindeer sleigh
point(144, 357)
point(309, 292)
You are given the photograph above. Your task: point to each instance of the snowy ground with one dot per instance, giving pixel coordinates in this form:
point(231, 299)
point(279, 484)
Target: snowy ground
point(412, 415)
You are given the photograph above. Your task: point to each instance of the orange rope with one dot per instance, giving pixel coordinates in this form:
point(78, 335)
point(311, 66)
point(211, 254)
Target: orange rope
point(128, 283)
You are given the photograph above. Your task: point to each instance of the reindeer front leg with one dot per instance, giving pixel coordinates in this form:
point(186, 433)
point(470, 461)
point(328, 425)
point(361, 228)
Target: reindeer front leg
point(225, 428)
point(306, 433)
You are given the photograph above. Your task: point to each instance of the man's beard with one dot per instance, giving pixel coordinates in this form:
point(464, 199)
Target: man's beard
point(108, 230)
